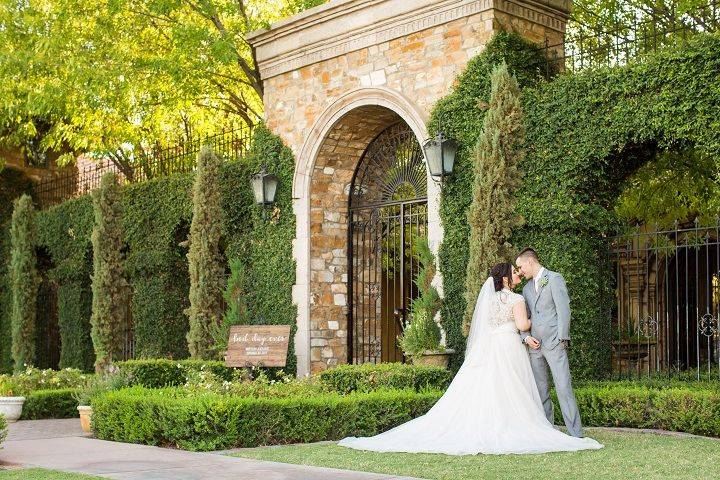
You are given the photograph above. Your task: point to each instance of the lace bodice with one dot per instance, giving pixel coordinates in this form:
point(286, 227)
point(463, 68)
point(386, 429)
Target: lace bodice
point(501, 307)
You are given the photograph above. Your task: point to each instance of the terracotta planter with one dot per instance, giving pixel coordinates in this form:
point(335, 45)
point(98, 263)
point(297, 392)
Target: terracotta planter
point(438, 359)
point(85, 416)
point(11, 407)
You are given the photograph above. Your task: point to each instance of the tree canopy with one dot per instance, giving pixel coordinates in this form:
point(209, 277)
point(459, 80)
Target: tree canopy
point(127, 76)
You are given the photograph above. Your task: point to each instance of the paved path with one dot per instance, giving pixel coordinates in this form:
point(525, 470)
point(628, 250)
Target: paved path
point(60, 445)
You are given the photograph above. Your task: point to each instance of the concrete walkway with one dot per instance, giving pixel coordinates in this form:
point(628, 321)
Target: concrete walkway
point(60, 445)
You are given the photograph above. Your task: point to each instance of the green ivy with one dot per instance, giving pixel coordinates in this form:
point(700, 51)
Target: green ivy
point(460, 115)
point(156, 223)
point(585, 134)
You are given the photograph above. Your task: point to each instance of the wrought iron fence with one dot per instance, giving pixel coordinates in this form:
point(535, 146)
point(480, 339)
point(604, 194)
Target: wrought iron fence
point(179, 158)
point(666, 313)
point(586, 46)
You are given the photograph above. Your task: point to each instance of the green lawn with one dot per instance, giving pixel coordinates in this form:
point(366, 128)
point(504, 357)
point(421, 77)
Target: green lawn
point(41, 474)
point(626, 455)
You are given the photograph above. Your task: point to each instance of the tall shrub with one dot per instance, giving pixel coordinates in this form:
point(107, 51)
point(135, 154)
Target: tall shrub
point(422, 332)
point(491, 216)
point(109, 286)
point(24, 281)
point(204, 259)
point(236, 312)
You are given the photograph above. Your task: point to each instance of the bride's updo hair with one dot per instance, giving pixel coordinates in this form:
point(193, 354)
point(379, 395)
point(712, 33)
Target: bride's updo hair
point(500, 271)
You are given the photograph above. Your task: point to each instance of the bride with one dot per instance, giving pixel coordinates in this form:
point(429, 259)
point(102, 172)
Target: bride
point(492, 405)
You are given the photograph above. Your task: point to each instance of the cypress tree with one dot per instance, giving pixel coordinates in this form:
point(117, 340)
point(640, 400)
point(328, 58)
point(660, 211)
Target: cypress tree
point(204, 259)
point(109, 286)
point(491, 215)
point(24, 284)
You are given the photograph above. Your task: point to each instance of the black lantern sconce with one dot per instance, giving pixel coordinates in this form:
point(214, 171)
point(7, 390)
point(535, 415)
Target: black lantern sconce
point(440, 156)
point(264, 186)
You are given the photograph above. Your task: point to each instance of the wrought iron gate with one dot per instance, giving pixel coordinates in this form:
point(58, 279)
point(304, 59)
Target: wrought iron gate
point(388, 211)
point(667, 309)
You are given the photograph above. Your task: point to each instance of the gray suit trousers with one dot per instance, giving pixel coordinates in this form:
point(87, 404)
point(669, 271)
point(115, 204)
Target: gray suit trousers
point(557, 359)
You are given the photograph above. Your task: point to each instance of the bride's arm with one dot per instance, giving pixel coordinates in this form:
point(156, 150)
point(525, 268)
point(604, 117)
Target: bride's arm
point(522, 322)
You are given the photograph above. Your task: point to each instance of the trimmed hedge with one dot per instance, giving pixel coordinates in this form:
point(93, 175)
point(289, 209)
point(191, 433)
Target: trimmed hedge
point(369, 377)
point(690, 409)
point(58, 403)
point(172, 417)
point(213, 422)
point(159, 373)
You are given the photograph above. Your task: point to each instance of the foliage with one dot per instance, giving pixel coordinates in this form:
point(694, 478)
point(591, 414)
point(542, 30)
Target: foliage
point(235, 296)
point(491, 215)
point(673, 186)
point(212, 422)
point(461, 119)
point(24, 281)
point(56, 403)
point(89, 76)
point(32, 379)
point(3, 428)
point(158, 373)
point(109, 287)
point(585, 134)
point(422, 332)
point(243, 385)
point(369, 377)
point(156, 220)
point(13, 183)
point(690, 409)
point(204, 260)
point(649, 17)
point(112, 379)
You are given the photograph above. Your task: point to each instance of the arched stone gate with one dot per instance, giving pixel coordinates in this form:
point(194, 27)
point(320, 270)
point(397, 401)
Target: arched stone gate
point(336, 76)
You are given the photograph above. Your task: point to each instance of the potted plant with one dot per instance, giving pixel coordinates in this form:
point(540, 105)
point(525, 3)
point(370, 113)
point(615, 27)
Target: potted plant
point(10, 403)
point(114, 379)
point(422, 337)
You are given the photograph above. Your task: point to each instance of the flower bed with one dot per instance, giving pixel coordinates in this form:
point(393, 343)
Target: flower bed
point(369, 377)
point(32, 379)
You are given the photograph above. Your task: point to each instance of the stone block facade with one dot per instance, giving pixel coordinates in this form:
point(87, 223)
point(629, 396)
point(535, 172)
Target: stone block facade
point(337, 75)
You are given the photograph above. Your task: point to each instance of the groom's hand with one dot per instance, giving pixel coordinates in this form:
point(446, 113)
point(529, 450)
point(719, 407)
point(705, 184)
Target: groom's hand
point(532, 342)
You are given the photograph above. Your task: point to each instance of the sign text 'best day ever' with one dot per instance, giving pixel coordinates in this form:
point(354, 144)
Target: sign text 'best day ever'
point(257, 345)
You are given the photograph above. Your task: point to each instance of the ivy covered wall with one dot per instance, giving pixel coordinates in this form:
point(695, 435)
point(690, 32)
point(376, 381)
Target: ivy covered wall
point(156, 220)
point(585, 134)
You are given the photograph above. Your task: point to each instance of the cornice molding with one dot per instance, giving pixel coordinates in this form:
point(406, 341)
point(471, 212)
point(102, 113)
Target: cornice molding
point(305, 39)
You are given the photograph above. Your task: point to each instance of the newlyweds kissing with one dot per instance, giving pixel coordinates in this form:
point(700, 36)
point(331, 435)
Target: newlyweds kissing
point(499, 400)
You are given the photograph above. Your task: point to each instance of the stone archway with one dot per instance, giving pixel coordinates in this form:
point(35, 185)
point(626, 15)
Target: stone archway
point(335, 76)
point(321, 190)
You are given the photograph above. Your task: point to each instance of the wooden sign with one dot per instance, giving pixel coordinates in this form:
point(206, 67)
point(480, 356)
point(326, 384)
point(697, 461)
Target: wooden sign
point(257, 345)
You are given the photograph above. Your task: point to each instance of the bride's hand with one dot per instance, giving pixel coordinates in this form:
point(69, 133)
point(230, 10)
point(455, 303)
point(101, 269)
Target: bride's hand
point(533, 342)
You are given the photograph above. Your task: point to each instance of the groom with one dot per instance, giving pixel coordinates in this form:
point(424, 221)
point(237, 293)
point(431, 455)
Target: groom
point(548, 305)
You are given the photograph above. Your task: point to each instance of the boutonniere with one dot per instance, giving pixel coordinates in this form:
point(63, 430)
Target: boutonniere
point(543, 281)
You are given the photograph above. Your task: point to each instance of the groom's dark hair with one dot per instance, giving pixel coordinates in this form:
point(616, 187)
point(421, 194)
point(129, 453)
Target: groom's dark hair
point(529, 253)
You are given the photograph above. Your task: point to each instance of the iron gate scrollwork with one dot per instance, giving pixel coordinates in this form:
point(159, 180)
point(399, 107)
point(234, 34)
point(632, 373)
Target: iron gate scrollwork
point(388, 211)
point(666, 313)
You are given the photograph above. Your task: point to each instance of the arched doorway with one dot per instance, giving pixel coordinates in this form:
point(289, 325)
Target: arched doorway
point(387, 213)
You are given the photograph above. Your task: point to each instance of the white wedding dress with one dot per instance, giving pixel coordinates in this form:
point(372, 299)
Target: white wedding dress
point(492, 405)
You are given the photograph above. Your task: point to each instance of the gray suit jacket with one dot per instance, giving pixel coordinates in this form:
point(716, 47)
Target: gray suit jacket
point(549, 310)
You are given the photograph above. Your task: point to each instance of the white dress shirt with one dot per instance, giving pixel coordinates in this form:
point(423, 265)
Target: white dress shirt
point(537, 279)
